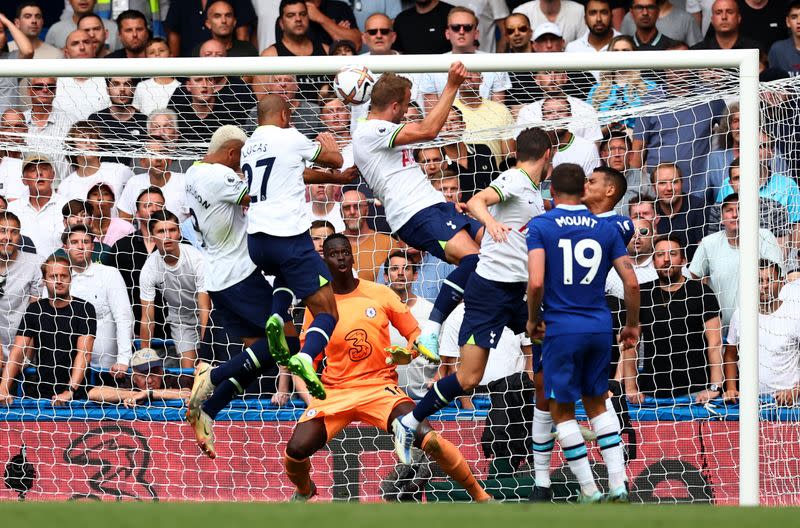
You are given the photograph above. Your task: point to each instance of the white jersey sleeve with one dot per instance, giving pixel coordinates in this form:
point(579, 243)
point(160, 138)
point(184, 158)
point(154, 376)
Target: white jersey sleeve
point(391, 172)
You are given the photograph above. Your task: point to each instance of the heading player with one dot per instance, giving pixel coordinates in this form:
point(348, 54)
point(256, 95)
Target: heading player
point(570, 254)
point(417, 212)
point(495, 293)
point(361, 386)
point(241, 296)
point(603, 190)
point(274, 162)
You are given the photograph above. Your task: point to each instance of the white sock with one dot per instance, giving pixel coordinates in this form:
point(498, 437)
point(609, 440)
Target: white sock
point(574, 448)
point(409, 421)
point(606, 426)
point(430, 327)
point(303, 355)
point(610, 408)
point(543, 443)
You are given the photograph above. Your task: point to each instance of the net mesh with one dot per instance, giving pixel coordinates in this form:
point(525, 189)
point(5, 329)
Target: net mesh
point(134, 445)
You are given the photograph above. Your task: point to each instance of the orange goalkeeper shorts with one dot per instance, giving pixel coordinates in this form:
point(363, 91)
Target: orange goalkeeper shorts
point(372, 404)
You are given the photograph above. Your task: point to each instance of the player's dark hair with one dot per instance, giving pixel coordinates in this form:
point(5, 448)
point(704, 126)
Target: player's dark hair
point(286, 3)
point(333, 238)
point(317, 224)
point(398, 253)
point(54, 259)
point(568, 178)
point(8, 216)
point(616, 179)
point(131, 14)
point(77, 228)
point(149, 190)
point(161, 216)
point(731, 198)
point(389, 89)
point(27, 3)
point(532, 143)
point(670, 238)
point(75, 207)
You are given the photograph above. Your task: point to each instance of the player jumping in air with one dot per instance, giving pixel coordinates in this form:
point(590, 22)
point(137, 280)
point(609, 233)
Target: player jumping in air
point(416, 212)
point(360, 385)
point(495, 294)
point(570, 254)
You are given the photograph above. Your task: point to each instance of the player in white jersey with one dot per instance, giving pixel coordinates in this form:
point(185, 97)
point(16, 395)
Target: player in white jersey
point(416, 212)
point(495, 294)
point(274, 161)
point(240, 294)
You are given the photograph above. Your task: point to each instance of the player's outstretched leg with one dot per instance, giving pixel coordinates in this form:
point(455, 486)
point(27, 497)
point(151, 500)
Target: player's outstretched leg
point(322, 305)
point(307, 438)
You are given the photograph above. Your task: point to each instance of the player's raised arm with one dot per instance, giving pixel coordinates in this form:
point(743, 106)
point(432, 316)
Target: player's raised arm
point(329, 154)
point(478, 207)
point(429, 128)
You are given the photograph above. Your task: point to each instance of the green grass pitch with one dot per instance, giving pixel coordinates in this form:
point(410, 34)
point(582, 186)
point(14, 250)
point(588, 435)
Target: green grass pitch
point(353, 515)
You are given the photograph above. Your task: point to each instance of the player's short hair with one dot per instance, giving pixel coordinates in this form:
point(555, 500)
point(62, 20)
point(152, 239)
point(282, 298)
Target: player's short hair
point(223, 135)
point(462, 9)
point(148, 190)
point(532, 143)
point(665, 165)
point(670, 238)
point(286, 3)
point(8, 216)
point(163, 215)
point(398, 253)
point(616, 179)
point(54, 259)
point(27, 3)
point(568, 178)
point(334, 237)
point(317, 224)
point(77, 228)
point(75, 207)
point(390, 88)
point(131, 14)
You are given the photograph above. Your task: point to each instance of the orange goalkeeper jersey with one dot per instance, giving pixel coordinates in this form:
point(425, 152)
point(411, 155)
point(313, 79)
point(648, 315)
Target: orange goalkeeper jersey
point(355, 352)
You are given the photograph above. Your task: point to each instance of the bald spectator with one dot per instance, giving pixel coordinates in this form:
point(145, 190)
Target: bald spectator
point(155, 93)
point(92, 24)
point(186, 23)
point(726, 21)
point(571, 148)
point(39, 213)
point(12, 127)
point(600, 31)
point(672, 21)
point(58, 32)
point(421, 28)
point(370, 248)
point(519, 34)
point(221, 23)
point(568, 15)
point(133, 35)
point(462, 32)
point(29, 19)
point(80, 97)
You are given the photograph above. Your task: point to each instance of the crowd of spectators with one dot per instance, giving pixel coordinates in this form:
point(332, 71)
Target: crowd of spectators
point(99, 258)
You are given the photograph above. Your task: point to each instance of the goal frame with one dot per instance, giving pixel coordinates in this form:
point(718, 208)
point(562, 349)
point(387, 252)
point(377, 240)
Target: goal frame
point(745, 62)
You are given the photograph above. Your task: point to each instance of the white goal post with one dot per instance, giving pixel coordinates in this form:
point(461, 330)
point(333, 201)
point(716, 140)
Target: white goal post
point(742, 63)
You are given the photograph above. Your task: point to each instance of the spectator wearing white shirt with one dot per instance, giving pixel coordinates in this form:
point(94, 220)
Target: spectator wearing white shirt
point(20, 280)
point(640, 248)
point(566, 13)
point(12, 128)
point(80, 97)
point(47, 126)
point(778, 341)
point(597, 17)
point(401, 276)
point(153, 94)
point(102, 287)
point(701, 12)
point(178, 272)
point(571, 147)
point(157, 175)
point(39, 212)
point(82, 142)
point(462, 32)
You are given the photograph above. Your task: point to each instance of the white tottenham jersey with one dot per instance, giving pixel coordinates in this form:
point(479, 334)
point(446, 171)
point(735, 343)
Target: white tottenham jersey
point(391, 172)
point(213, 193)
point(273, 161)
point(520, 200)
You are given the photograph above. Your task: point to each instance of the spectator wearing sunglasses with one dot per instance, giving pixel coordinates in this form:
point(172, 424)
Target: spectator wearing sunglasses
point(462, 32)
point(421, 29)
point(640, 248)
point(568, 15)
point(491, 14)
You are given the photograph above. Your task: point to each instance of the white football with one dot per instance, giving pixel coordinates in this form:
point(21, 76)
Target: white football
point(353, 84)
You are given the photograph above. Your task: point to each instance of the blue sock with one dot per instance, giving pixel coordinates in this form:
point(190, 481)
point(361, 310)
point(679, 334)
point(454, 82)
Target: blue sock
point(282, 298)
point(318, 334)
point(438, 396)
point(452, 290)
point(245, 366)
point(294, 344)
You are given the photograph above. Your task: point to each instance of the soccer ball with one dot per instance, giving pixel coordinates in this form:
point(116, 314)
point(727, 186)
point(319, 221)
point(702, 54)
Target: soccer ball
point(353, 84)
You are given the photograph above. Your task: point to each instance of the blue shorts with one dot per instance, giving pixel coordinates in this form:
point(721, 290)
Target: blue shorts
point(489, 307)
point(431, 228)
point(576, 365)
point(292, 260)
point(536, 352)
point(242, 309)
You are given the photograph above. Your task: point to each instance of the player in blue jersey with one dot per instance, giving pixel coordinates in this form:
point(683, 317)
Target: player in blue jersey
point(603, 190)
point(494, 296)
point(570, 254)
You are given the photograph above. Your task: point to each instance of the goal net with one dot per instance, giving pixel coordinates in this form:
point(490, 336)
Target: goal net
point(674, 133)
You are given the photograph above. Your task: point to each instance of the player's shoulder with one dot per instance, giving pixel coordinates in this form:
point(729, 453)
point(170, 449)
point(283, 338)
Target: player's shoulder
point(375, 290)
point(375, 128)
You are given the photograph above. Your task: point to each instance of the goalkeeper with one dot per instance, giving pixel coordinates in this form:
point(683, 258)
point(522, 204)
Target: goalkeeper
point(360, 377)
